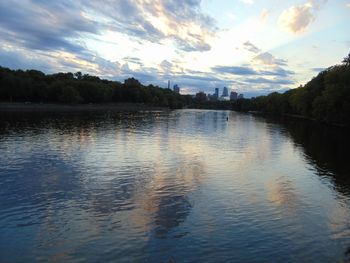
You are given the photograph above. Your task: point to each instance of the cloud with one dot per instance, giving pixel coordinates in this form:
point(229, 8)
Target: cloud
point(133, 60)
point(317, 4)
point(166, 66)
point(297, 18)
point(262, 80)
point(248, 2)
point(58, 61)
point(181, 21)
point(144, 77)
point(264, 16)
point(18, 59)
point(244, 71)
point(60, 36)
point(234, 70)
point(52, 25)
point(278, 71)
point(252, 48)
point(198, 78)
point(267, 58)
point(318, 69)
point(192, 80)
point(44, 27)
point(249, 92)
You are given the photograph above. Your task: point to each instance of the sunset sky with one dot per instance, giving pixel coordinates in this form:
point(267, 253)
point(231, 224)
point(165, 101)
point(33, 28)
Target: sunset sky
point(251, 46)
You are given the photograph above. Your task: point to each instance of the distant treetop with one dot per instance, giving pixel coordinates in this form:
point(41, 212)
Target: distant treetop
point(346, 60)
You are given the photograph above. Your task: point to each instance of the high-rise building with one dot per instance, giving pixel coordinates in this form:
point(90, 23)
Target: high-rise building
point(176, 88)
point(233, 95)
point(225, 92)
point(216, 94)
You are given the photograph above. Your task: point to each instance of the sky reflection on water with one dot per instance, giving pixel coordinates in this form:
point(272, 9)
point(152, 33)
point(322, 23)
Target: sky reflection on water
point(184, 186)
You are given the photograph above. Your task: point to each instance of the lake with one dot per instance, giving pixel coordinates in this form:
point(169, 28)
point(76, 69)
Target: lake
point(177, 186)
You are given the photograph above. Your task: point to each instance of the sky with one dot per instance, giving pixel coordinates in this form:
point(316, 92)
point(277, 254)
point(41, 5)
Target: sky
point(250, 46)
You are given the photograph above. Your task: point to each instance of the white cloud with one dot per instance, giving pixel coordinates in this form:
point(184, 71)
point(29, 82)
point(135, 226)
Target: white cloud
point(251, 47)
point(248, 2)
point(297, 18)
point(317, 4)
point(268, 59)
point(264, 16)
point(231, 16)
point(183, 22)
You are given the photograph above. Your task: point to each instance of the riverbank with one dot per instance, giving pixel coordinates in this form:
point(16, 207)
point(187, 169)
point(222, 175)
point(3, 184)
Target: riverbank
point(297, 117)
point(46, 107)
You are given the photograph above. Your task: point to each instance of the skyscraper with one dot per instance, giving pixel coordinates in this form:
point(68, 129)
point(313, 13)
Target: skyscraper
point(216, 94)
point(233, 95)
point(225, 92)
point(176, 88)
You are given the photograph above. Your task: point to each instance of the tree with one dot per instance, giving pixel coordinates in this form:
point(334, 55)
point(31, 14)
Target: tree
point(78, 75)
point(69, 95)
point(201, 97)
point(346, 60)
point(132, 82)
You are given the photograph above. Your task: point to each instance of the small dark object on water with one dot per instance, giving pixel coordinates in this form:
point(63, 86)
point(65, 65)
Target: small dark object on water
point(347, 253)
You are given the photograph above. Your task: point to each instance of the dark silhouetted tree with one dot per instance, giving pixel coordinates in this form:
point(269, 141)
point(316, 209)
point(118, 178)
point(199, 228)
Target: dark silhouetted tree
point(346, 60)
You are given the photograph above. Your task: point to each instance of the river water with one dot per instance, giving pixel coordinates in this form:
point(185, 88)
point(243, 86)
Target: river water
point(179, 186)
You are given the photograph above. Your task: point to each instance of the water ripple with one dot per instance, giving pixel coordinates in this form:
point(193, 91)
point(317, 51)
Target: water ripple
point(181, 186)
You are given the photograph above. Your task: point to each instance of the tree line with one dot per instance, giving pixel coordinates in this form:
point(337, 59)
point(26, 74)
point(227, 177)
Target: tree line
point(35, 86)
point(325, 98)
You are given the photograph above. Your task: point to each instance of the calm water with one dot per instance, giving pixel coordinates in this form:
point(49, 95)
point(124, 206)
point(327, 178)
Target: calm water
point(181, 186)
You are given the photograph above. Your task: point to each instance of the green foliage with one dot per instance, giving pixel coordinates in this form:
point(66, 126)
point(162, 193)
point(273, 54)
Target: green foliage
point(35, 86)
point(241, 105)
point(69, 95)
point(325, 98)
point(346, 60)
point(201, 97)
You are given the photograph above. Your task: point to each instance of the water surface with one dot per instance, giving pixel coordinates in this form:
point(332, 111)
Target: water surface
point(180, 186)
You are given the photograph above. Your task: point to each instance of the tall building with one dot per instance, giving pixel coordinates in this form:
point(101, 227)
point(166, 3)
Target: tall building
point(176, 88)
point(216, 94)
point(241, 96)
point(233, 95)
point(225, 92)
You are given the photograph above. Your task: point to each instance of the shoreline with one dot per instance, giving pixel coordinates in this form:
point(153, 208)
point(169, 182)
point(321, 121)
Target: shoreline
point(52, 107)
point(297, 117)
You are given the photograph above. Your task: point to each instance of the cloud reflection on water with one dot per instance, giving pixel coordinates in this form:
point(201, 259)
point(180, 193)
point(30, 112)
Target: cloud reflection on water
point(144, 180)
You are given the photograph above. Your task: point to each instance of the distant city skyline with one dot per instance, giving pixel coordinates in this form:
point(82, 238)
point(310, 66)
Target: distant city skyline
point(225, 92)
point(176, 88)
point(226, 95)
point(254, 47)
